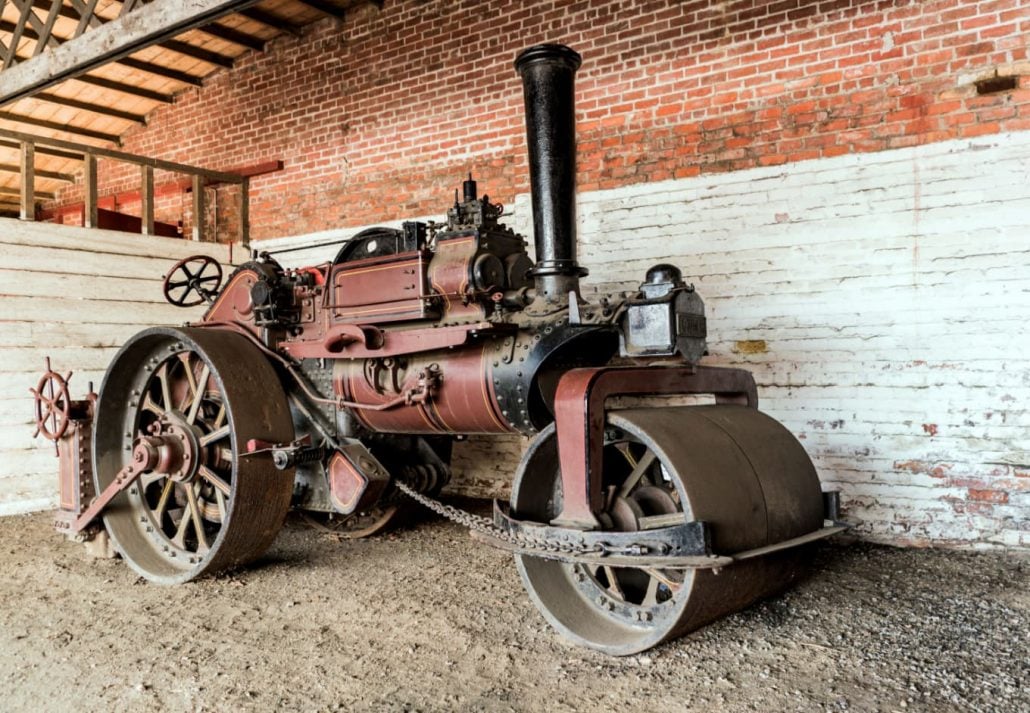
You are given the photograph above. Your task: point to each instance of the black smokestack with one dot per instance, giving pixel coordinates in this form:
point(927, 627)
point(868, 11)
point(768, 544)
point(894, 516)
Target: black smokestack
point(548, 78)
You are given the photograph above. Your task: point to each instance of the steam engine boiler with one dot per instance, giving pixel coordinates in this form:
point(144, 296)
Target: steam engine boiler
point(338, 389)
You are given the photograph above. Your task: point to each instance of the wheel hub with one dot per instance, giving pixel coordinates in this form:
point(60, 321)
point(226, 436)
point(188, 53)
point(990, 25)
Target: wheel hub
point(172, 450)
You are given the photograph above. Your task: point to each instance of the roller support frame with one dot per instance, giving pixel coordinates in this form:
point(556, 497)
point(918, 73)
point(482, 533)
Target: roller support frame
point(579, 411)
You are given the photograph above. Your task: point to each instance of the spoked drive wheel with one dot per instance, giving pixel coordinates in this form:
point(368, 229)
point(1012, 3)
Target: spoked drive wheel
point(195, 397)
point(730, 466)
point(365, 523)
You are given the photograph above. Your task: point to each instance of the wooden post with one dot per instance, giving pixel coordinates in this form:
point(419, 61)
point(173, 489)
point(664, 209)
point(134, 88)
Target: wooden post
point(28, 180)
point(245, 211)
point(91, 216)
point(146, 195)
point(198, 208)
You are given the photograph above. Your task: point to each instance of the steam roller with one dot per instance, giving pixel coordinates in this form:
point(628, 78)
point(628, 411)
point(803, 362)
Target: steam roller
point(654, 496)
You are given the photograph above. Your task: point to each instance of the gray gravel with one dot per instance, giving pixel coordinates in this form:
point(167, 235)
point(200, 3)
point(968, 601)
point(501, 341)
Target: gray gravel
point(426, 620)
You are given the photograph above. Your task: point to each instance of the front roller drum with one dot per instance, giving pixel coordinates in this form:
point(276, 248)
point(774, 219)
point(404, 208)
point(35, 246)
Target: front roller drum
point(732, 467)
point(204, 504)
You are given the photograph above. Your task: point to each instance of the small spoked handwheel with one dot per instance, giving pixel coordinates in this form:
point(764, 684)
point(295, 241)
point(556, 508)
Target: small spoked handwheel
point(53, 404)
point(192, 281)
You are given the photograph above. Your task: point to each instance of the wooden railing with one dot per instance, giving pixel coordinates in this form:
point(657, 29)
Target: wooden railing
point(201, 177)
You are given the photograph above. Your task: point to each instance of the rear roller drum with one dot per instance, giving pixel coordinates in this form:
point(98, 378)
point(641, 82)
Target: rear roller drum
point(195, 397)
point(730, 466)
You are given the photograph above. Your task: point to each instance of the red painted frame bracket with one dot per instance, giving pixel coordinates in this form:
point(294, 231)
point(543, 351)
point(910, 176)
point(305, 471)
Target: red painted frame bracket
point(579, 414)
point(126, 477)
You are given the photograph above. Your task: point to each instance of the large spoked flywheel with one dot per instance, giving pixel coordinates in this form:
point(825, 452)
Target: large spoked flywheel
point(730, 466)
point(196, 396)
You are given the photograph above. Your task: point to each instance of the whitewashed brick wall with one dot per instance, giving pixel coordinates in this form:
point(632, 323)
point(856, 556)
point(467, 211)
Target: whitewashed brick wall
point(881, 301)
point(75, 295)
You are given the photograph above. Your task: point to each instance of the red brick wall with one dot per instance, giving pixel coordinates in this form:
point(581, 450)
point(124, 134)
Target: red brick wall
point(379, 117)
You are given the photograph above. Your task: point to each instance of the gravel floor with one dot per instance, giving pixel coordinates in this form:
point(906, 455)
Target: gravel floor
point(426, 620)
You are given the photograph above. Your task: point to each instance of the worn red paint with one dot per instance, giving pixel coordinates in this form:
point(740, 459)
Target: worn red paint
point(998, 497)
point(930, 428)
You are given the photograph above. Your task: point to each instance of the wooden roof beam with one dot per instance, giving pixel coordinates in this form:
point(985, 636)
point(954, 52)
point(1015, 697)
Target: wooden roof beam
point(40, 173)
point(185, 48)
point(58, 126)
point(87, 106)
point(148, 25)
point(105, 83)
point(269, 19)
point(324, 7)
point(56, 153)
point(17, 192)
point(231, 34)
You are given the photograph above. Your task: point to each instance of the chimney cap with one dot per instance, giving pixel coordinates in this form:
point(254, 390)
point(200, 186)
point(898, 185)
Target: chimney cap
point(548, 53)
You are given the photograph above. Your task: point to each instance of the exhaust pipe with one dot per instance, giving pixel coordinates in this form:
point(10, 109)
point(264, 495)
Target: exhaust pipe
point(548, 73)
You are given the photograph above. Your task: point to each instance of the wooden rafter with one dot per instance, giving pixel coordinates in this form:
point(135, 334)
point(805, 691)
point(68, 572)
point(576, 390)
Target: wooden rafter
point(236, 37)
point(131, 89)
point(56, 153)
point(325, 7)
point(90, 107)
point(271, 20)
point(59, 126)
point(40, 173)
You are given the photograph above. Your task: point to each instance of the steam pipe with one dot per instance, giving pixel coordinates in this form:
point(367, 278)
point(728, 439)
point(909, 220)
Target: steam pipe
point(548, 73)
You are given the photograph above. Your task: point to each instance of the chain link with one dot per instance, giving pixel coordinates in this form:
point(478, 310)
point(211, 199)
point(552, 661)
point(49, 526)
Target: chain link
point(485, 526)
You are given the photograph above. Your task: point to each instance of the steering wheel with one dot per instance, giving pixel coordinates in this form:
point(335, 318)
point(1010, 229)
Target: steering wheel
point(193, 280)
point(53, 405)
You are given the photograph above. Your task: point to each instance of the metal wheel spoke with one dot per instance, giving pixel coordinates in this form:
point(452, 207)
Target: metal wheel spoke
point(659, 576)
point(651, 596)
point(149, 478)
point(216, 435)
point(623, 448)
point(220, 418)
point(150, 405)
point(198, 525)
point(191, 379)
point(613, 583)
point(166, 392)
point(213, 478)
point(162, 502)
point(638, 470)
point(198, 394)
point(220, 499)
point(180, 533)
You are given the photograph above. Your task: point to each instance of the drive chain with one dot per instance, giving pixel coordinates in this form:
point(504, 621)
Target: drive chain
point(486, 526)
